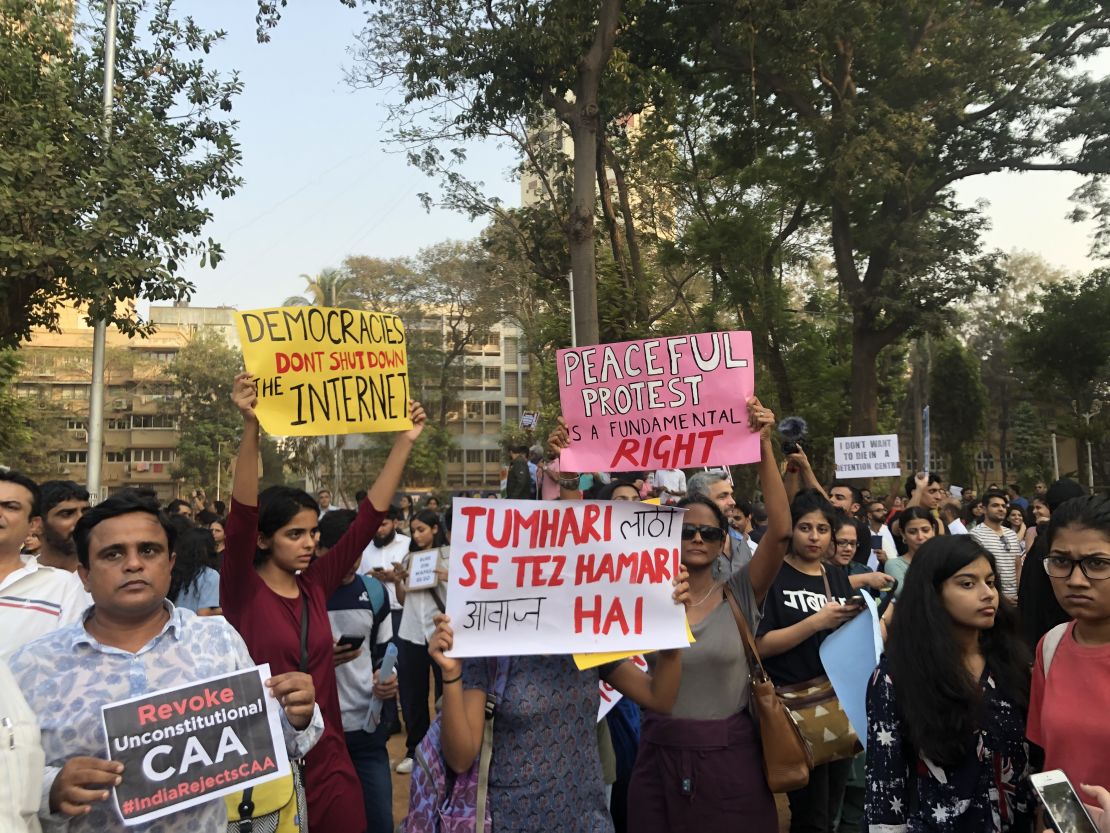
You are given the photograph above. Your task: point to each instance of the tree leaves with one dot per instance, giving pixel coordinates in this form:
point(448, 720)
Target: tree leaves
point(87, 224)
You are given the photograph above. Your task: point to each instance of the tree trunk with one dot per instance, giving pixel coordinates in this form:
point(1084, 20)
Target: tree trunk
point(616, 244)
point(865, 380)
point(580, 232)
point(777, 365)
point(583, 119)
point(631, 235)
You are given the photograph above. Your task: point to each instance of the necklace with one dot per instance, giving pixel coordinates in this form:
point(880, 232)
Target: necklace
point(712, 587)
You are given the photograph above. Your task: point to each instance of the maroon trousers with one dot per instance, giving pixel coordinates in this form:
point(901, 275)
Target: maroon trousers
point(700, 776)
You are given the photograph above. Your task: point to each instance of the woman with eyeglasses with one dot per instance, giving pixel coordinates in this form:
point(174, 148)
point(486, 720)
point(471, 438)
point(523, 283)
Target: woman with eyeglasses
point(1070, 695)
point(700, 769)
point(806, 603)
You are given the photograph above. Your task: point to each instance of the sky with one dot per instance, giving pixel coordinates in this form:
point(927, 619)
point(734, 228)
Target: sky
point(323, 183)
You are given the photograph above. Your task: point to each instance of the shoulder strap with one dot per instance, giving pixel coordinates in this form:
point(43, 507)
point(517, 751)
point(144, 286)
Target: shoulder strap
point(755, 662)
point(499, 677)
point(375, 592)
point(304, 632)
point(1049, 645)
point(825, 578)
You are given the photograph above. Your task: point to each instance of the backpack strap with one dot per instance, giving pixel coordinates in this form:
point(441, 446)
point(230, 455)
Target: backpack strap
point(375, 592)
point(499, 675)
point(246, 812)
point(1049, 645)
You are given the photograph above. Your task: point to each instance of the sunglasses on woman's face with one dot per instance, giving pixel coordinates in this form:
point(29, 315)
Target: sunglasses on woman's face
point(708, 534)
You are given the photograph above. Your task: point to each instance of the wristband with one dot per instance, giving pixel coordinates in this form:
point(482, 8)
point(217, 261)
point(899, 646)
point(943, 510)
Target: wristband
point(569, 483)
point(452, 680)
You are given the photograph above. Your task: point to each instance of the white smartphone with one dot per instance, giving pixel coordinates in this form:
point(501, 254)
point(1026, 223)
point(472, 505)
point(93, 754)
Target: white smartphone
point(1063, 809)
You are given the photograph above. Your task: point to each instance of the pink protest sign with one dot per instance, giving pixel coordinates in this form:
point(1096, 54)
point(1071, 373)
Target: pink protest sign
point(660, 403)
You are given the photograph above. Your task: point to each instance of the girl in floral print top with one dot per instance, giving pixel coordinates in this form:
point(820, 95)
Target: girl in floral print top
point(946, 748)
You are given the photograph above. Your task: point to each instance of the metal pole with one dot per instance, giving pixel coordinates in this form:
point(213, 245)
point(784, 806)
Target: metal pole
point(100, 328)
point(1090, 466)
point(1055, 459)
point(573, 331)
point(219, 467)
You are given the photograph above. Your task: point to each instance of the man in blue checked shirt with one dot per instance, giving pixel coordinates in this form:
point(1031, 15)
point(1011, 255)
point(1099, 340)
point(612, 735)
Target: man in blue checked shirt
point(131, 642)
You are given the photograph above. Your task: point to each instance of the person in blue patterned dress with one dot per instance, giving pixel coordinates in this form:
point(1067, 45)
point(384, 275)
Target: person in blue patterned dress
point(946, 708)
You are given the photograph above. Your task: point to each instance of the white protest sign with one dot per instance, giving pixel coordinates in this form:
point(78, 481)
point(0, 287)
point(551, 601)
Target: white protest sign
point(193, 743)
point(422, 569)
point(564, 577)
point(871, 456)
point(609, 696)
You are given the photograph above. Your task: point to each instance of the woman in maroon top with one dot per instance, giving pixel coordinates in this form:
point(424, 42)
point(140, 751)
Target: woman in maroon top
point(268, 566)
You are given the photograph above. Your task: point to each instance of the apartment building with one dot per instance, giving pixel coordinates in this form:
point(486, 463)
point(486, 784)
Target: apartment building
point(139, 438)
point(493, 390)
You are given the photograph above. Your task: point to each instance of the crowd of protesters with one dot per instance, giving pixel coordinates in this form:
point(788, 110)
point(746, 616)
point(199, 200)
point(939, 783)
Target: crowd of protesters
point(995, 611)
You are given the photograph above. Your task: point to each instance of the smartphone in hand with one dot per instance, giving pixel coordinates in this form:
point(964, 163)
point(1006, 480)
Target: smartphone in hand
point(1063, 809)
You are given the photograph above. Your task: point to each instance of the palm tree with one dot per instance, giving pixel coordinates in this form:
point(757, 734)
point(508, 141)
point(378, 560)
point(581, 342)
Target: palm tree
point(330, 288)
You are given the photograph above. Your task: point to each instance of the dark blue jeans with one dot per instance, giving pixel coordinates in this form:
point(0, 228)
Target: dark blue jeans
point(371, 760)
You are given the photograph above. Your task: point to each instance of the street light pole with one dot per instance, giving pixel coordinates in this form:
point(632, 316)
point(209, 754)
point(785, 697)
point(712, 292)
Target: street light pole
point(100, 328)
point(1096, 409)
point(573, 329)
point(219, 467)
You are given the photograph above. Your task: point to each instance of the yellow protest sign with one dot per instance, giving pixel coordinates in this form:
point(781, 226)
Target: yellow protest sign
point(586, 661)
point(327, 371)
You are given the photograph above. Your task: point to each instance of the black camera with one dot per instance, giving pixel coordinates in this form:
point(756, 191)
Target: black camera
point(793, 430)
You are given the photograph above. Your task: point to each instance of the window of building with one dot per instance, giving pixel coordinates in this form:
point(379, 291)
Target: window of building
point(75, 456)
point(473, 410)
point(160, 356)
point(75, 424)
point(152, 455)
point(512, 349)
point(68, 393)
point(153, 421)
point(493, 456)
point(524, 382)
point(493, 409)
point(984, 461)
point(512, 384)
point(122, 424)
point(512, 414)
point(474, 455)
point(115, 457)
point(454, 455)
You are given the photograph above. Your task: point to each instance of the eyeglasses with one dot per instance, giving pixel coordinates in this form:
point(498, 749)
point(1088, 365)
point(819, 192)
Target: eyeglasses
point(1094, 567)
point(846, 544)
point(708, 534)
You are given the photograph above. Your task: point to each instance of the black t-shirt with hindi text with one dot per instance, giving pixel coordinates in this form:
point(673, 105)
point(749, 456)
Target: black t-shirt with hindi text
point(795, 596)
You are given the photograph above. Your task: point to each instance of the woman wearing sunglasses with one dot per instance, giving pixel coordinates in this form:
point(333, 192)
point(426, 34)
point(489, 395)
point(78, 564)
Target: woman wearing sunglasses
point(1071, 676)
point(700, 769)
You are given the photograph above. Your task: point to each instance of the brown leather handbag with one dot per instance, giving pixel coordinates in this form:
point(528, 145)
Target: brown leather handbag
point(787, 755)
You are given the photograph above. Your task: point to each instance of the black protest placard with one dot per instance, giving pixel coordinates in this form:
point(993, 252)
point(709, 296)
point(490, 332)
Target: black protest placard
point(187, 745)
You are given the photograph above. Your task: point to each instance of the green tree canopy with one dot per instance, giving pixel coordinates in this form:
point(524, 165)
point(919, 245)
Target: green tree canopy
point(958, 405)
point(203, 374)
point(870, 112)
point(86, 224)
